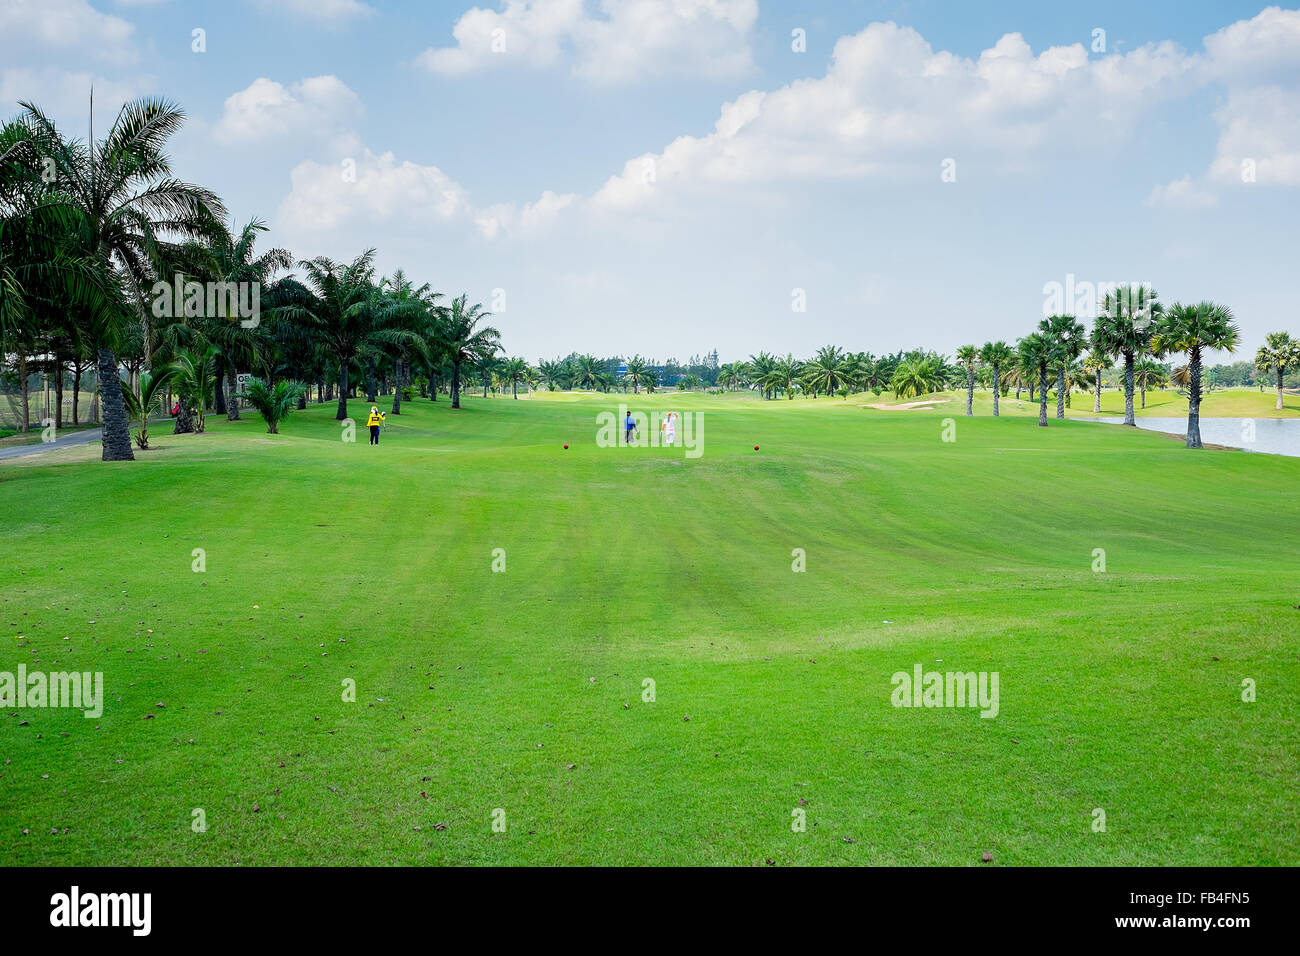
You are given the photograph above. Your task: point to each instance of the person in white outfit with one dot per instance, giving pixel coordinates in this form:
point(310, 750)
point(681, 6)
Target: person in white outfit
point(669, 428)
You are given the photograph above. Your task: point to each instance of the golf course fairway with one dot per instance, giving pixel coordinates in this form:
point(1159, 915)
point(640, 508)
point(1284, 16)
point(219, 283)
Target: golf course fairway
point(611, 655)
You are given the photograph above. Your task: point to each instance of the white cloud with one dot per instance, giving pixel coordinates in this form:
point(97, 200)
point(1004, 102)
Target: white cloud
point(1258, 61)
point(317, 106)
point(508, 219)
point(1181, 193)
point(1266, 43)
point(629, 39)
point(368, 189)
point(68, 28)
point(890, 105)
point(1259, 137)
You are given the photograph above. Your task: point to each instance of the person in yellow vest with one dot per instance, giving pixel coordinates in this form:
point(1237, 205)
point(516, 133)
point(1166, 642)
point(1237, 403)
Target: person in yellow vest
point(375, 420)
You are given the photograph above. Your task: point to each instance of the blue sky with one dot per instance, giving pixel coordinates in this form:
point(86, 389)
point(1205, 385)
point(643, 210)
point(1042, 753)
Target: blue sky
point(671, 176)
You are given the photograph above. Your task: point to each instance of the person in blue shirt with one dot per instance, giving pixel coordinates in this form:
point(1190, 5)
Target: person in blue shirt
point(629, 427)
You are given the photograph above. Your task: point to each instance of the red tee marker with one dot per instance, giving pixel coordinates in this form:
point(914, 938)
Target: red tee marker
point(566, 446)
point(755, 448)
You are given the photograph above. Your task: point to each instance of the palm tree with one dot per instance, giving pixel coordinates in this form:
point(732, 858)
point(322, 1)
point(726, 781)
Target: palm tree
point(514, 371)
point(273, 404)
point(550, 373)
point(51, 291)
point(784, 376)
point(1149, 374)
point(124, 191)
point(1064, 335)
point(227, 257)
point(1123, 330)
point(464, 340)
point(400, 323)
point(589, 372)
point(733, 375)
point(761, 366)
point(149, 401)
point(1013, 374)
point(1278, 353)
point(918, 373)
point(636, 369)
point(1191, 329)
point(195, 386)
point(1035, 352)
point(967, 355)
point(339, 311)
point(829, 371)
point(996, 355)
point(908, 380)
point(1096, 363)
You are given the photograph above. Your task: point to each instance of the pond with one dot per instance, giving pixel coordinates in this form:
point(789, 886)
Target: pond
point(1273, 436)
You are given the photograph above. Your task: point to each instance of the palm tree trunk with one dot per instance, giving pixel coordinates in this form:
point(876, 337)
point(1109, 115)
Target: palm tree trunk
point(232, 400)
point(370, 380)
point(76, 391)
point(58, 395)
point(1279, 388)
point(117, 430)
point(219, 408)
point(1060, 392)
point(433, 386)
point(1194, 398)
point(1096, 403)
point(397, 388)
point(1128, 390)
point(342, 412)
point(1042, 395)
point(455, 385)
point(995, 391)
point(22, 379)
point(970, 390)
point(1144, 391)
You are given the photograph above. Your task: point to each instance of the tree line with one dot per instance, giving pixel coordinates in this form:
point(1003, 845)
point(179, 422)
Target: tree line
point(110, 262)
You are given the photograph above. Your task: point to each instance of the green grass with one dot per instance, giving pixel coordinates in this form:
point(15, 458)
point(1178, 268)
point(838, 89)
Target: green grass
point(522, 690)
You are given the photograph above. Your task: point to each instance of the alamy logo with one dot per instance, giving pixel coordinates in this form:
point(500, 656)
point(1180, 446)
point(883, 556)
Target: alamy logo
point(651, 430)
point(1084, 299)
point(103, 909)
point(951, 689)
point(189, 299)
point(83, 691)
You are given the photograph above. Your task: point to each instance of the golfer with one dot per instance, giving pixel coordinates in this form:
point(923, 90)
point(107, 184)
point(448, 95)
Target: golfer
point(669, 429)
point(374, 422)
point(629, 427)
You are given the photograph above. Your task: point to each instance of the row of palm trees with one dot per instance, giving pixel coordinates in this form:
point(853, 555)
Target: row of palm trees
point(833, 370)
point(1132, 324)
point(91, 230)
